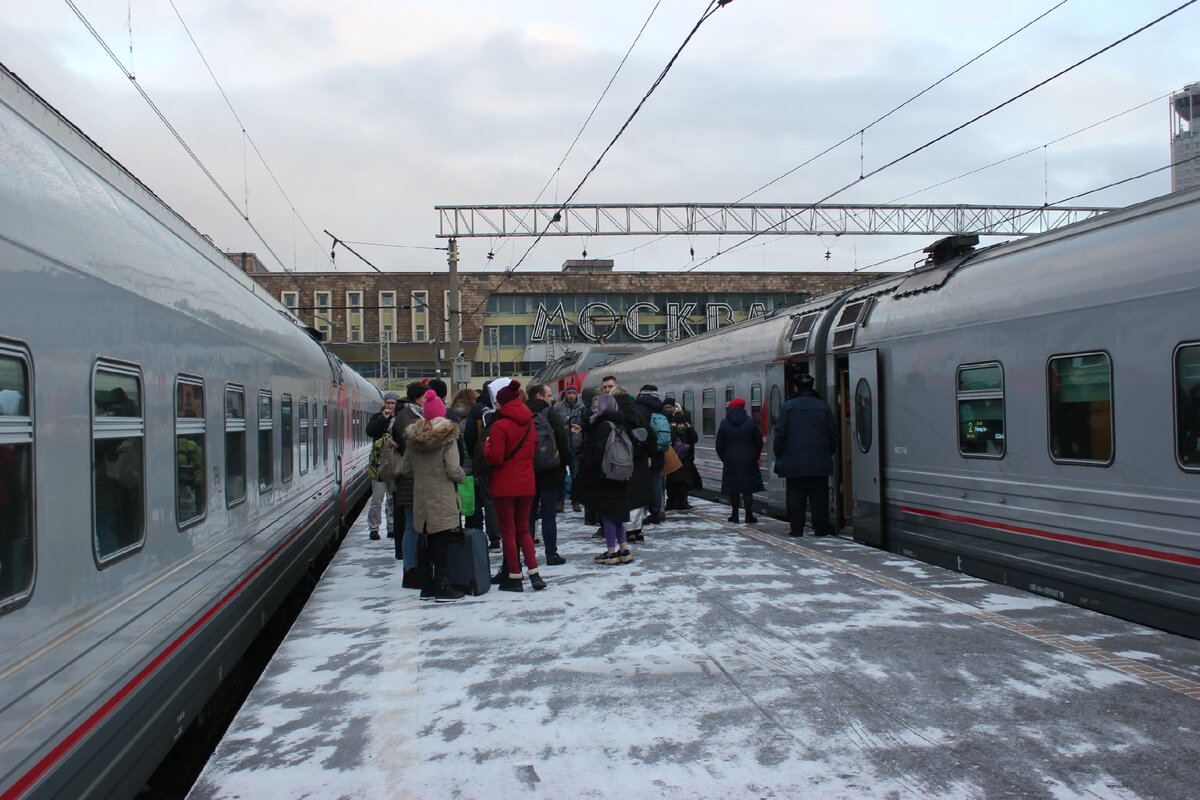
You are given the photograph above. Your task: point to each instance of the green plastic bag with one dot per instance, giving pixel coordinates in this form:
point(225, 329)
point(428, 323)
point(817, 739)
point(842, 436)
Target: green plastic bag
point(466, 496)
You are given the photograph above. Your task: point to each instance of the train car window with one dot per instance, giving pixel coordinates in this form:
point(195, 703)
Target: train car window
point(980, 395)
point(266, 435)
point(1187, 405)
point(16, 479)
point(756, 403)
point(286, 439)
point(730, 393)
point(708, 405)
point(118, 477)
point(325, 425)
point(303, 431)
point(1080, 392)
point(776, 405)
point(689, 401)
point(862, 415)
point(801, 331)
point(235, 445)
point(315, 449)
point(190, 451)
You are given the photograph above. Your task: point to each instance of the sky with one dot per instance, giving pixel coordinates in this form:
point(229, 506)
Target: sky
point(369, 114)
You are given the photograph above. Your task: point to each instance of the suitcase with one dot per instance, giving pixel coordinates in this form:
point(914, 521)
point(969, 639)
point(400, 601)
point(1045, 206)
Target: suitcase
point(467, 556)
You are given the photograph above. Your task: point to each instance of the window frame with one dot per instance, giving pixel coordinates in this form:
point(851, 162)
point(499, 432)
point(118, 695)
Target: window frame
point(708, 412)
point(190, 426)
point(688, 398)
point(1192, 468)
point(355, 315)
point(419, 314)
point(287, 438)
point(117, 430)
point(1112, 411)
point(961, 395)
point(387, 316)
point(322, 313)
point(302, 443)
point(236, 425)
point(21, 430)
point(260, 427)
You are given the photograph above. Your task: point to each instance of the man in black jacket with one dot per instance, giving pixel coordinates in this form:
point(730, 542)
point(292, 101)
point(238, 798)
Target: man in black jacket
point(550, 481)
point(806, 439)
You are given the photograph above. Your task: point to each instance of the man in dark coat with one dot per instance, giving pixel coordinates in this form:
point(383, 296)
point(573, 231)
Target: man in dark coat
point(739, 445)
point(649, 403)
point(407, 412)
point(642, 436)
point(806, 439)
point(549, 482)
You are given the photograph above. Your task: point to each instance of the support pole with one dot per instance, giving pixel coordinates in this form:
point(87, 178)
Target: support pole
point(454, 313)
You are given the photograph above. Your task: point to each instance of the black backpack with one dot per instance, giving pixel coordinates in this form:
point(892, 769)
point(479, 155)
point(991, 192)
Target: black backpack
point(545, 456)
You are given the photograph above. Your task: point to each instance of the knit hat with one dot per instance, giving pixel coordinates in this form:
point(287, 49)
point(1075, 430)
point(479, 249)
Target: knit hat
point(391, 396)
point(495, 386)
point(737, 402)
point(439, 386)
point(509, 393)
point(434, 407)
point(571, 389)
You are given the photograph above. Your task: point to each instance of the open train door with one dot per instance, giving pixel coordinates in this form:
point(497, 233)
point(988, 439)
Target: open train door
point(866, 446)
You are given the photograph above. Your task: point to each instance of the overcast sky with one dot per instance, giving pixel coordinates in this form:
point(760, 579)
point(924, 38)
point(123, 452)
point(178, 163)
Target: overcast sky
point(372, 112)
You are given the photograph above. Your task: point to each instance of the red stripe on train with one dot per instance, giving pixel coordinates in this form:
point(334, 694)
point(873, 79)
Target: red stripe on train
point(1115, 547)
point(62, 748)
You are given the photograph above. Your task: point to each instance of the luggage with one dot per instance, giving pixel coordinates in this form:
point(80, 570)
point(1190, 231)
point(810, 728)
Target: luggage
point(467, 557)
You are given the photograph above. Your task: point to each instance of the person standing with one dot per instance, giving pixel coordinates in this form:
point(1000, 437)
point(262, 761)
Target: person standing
point(683, 440)
point(402, 494)
point(381, 493)
point(508, 451)
point(806, 439)
point(607, 497)
point(572, 411)
point(431, 461)
point(739, 446)
point(551, 479)
point(651, 409)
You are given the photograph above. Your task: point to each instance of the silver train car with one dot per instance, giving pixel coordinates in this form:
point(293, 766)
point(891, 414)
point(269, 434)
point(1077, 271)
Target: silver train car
point(1028, 413)
point(174, 453)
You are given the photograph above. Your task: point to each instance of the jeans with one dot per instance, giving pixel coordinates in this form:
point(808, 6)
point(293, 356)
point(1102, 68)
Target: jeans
point(545, 502)
point(656, 491)
point(408, 543)
point(381, 498)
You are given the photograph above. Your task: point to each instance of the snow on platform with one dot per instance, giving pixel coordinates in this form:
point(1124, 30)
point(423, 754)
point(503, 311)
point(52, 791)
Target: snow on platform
point(725, 662)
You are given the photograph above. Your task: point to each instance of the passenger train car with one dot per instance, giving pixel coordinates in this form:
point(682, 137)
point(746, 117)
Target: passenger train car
point(175, 450)
point(1028, 413)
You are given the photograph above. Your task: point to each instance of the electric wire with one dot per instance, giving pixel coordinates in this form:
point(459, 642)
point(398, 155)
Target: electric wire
point(948, 133)
point(242, 125)
point(171, 128)
point(876, 121)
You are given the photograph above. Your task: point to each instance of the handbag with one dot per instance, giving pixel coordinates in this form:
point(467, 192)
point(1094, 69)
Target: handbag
point(671, 461)
point(466, 496)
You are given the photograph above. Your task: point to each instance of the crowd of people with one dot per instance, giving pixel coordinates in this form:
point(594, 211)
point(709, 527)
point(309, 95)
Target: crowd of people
point(522, 454)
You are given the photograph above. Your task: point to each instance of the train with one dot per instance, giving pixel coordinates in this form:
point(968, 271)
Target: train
point(175, 451)
point(1027, 412)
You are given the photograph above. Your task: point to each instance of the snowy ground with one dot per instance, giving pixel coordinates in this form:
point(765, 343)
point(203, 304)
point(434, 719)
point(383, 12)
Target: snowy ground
point(717, 665)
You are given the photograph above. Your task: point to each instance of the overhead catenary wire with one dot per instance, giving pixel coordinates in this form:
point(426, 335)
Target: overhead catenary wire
point(861, 131)
point(949, 133)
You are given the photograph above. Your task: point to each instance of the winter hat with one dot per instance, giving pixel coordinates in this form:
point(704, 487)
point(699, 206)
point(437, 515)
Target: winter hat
point(391, 396)
point(439, 386)
point(509, 393)
point(650, 389)
point(572, 390)
point(434, 407)
point(495, 386)
point(415, 390)
point(737, 402)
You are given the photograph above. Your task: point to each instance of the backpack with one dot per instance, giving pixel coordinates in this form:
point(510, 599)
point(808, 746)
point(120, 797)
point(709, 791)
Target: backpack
point(545, 455)
point(662, 430)
point(389, 460)
point(617, 464)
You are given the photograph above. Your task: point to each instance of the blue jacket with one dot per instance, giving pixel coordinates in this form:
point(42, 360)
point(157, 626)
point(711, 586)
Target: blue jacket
point(806, 437)
point(739, 445)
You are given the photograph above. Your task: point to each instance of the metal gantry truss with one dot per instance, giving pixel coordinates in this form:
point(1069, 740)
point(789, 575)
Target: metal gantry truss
point(698, 219)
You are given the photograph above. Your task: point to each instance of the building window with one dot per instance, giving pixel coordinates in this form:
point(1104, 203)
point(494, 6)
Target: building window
point(323, 314)
point(708, 402)
point(266, 434)
point(387, 317)
point(118, 479)
point(190, 441)
point(1187, 411)
point(981, 410)
point(16, 478)
point(285, 438)
point(291, 300)
point(420, 316)
point(235, 445)
point(354, 315)
point(1080, 391)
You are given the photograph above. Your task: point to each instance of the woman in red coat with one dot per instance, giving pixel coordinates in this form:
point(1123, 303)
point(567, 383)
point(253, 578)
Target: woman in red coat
point(509, 452)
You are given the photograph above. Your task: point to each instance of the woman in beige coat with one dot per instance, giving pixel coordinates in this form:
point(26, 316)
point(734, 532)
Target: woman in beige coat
point(431, 458)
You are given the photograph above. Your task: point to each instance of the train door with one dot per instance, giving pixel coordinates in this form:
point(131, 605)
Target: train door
point(843, 488)
point(864, 446)
point(776, 383)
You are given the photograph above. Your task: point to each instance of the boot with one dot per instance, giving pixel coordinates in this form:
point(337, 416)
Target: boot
point(535, 580)
point(575, 507)
point(734, 500)
point(415, 578)
point(429, 587)
point(501, 574)
point(445, 592)
point(748, 503)
point(512, 583)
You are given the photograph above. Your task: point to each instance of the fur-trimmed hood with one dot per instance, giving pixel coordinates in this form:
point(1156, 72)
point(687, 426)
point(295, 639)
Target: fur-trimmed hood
point(435, 437)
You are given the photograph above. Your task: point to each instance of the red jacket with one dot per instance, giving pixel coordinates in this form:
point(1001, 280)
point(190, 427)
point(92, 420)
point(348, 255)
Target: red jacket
point(511, 477)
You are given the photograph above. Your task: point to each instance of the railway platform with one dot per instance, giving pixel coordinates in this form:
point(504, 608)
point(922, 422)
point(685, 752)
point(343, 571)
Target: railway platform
point(728, 661)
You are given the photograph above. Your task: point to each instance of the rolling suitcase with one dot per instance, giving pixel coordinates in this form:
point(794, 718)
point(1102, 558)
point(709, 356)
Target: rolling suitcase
point(467, 555)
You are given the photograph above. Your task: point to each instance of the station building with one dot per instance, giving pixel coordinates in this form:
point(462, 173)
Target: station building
point(394, 325)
